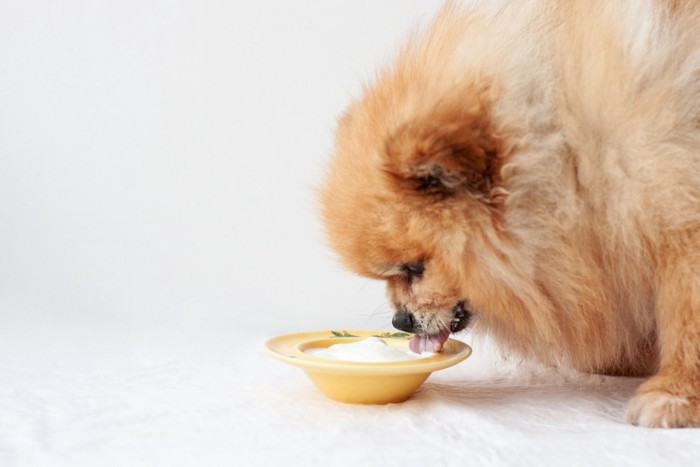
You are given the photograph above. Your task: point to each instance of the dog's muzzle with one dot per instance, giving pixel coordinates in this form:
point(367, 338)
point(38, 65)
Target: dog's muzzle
point(405, 321)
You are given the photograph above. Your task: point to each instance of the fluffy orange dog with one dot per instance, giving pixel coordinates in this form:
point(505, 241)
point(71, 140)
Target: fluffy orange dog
point(536, 165)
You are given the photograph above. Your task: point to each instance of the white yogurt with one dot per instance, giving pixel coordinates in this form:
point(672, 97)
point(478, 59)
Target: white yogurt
point(371, 349)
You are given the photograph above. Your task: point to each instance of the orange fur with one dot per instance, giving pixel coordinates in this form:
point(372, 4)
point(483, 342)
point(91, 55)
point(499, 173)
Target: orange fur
point(543, 159)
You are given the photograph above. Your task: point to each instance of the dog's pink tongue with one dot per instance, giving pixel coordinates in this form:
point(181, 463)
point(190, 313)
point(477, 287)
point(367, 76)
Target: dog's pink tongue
point(434, 343)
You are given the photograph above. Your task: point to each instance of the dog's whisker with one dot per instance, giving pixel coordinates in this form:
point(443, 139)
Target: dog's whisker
point(383, 310)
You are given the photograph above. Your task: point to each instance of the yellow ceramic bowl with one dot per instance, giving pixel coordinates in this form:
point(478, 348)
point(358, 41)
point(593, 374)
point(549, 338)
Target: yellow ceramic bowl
point(359, 382)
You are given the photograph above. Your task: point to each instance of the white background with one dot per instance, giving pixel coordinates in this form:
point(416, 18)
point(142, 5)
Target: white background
point(158, 162)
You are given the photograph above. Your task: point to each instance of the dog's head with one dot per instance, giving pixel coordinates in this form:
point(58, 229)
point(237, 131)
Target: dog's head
point(411, 196)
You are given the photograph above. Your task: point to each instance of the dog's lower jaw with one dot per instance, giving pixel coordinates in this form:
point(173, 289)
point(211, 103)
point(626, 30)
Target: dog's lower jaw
point(423, 342)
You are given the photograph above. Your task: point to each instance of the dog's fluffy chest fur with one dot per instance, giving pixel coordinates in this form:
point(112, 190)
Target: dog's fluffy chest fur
point(602, 99)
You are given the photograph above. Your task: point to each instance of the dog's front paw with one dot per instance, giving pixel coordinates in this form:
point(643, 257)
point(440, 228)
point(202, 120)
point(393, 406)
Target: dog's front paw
point(660, 405)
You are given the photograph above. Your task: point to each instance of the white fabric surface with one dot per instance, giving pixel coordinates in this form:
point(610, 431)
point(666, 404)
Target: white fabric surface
point(213, 397)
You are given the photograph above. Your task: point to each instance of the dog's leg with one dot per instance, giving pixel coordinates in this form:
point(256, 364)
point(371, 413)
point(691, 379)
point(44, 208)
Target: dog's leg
point(671, 398)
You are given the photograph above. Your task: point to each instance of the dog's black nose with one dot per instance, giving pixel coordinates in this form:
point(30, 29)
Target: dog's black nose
point(403, 320)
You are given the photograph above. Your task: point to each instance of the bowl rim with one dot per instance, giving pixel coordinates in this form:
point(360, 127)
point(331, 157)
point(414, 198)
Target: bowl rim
point(289, 349)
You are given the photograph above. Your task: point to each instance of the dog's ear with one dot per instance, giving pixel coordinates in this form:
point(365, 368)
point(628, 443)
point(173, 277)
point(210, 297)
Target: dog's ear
point(445, 153)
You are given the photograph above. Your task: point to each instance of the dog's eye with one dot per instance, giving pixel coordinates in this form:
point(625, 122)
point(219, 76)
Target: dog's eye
point(413, 270)
point(427, 182)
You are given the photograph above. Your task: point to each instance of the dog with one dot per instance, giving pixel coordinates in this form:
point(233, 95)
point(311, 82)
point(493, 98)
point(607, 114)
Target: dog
point(531, 169)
